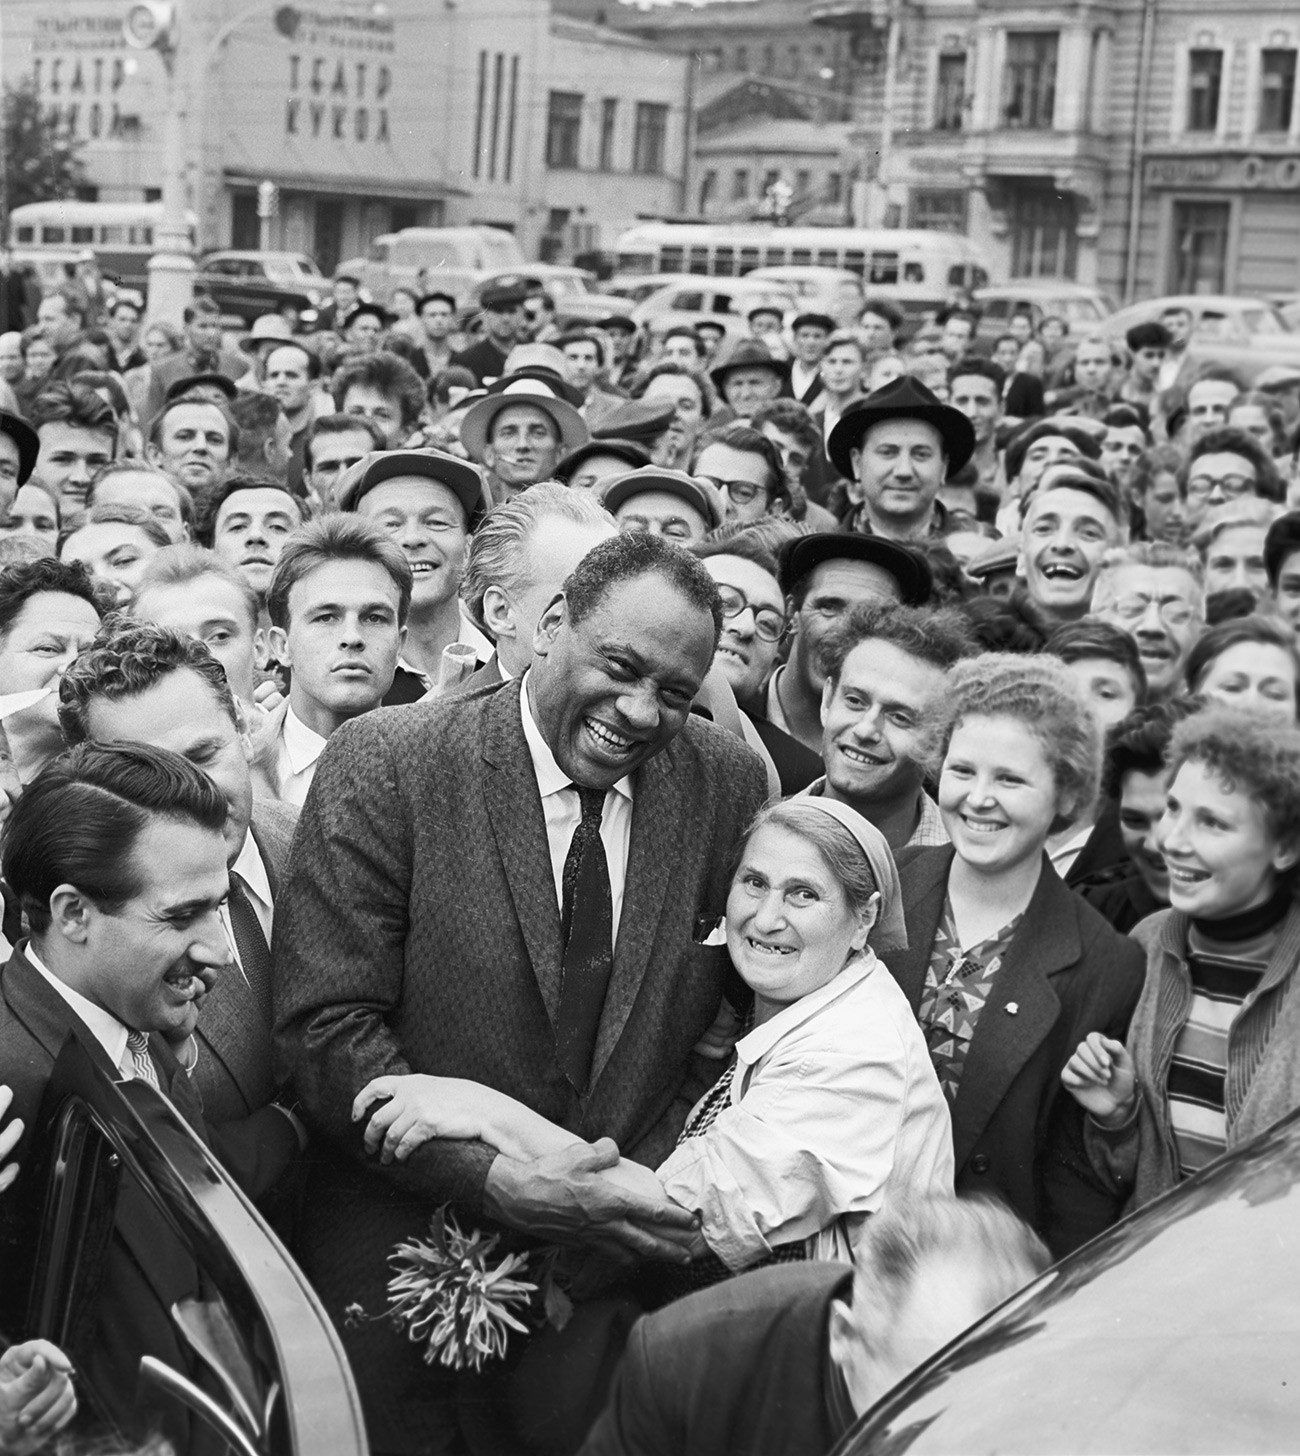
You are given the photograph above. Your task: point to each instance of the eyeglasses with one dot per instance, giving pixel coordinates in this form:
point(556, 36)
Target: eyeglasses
point(740, 491)
point(769, 624)
point(1172, 610)
point(1231, 485)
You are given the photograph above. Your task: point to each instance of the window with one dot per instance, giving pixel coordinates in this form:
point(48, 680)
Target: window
point(563, 127)
point(1277, 90)
point(950, 93)
point(770, 178)
point(794, 61)
point(802, 182)
point(651, 133)
point(769, 60)
point(742, 58)
point(1044, 234)
point(708, 189)
point(834, 188)
point(608, 119)
point(1029, 88)
point(1204, 82)
point(740, 185)
point(936, 211)
point(1200, 247)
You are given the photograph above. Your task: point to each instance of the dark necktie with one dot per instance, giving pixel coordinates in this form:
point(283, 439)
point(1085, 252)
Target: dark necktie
point(254, 953)
point(587, 924)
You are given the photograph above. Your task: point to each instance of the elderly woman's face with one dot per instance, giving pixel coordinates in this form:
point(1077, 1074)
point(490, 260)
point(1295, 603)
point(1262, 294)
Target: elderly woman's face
point(790, 928)
point(1222, 855)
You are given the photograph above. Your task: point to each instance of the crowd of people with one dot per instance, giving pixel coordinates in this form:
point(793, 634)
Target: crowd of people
point(806, 825)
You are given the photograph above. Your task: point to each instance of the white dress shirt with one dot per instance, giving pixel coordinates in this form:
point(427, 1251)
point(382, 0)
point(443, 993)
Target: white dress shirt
point(563, 811)
point(250, 868)
point(107, 1030)
point(295, 761)
point(835, 1107)
point(1064, 854)
point(801, 378)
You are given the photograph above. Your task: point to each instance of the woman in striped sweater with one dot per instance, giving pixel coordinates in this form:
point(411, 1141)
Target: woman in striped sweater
point(1213, 1051)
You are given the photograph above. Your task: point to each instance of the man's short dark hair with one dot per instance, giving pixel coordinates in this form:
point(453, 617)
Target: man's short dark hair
point(940, 638)
point(257, 416)
point(746, 545)
point(985, 368)
point(1077, 641)
point(956, 310)
point(1281, 542)
point(886, 309)
point(1140, 742)
point(1104, 492)
point(27, 579)
point(1128, 417)
point(72, 404)
point(184, 562)
point(581, 336)
point(78, 821)
point(127, 658)
point(339, 536)
point(684, 331)
point(184, 499)
point(631, 555)
point(203, 306)
point(340, 425)
point(386, 374)
point(156, 424)
point(1227, 439)
point(791, 418)
point(750, 442)
point(232, 485)
point(671, 367)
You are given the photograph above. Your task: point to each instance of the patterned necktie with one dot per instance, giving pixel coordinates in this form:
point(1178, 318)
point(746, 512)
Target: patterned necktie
point(587, 924)
point(137, 1050)
point(254, 953)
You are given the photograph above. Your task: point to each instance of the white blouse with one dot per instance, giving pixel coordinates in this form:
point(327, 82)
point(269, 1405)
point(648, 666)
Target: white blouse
point(835, 1106)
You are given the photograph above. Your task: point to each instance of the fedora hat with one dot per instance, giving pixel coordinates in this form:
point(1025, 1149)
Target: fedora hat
point(27, 440)
point(268, 328)
point(903, 398)
point(477, 424)
point(909, 568)
point(747, 354)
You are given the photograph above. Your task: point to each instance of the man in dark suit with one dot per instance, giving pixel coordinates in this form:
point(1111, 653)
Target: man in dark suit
point(118, 860)
point(810, 333)
point(506, 887)
point(202, 353)
point(782, 1361)
point(141, 683)
point(503, 324)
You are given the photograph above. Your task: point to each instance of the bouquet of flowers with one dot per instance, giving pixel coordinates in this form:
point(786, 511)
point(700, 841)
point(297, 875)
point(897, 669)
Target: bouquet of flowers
point(448, 1294)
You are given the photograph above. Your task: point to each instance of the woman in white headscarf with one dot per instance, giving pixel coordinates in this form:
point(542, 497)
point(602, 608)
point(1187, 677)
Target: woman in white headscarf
point(830, 1104)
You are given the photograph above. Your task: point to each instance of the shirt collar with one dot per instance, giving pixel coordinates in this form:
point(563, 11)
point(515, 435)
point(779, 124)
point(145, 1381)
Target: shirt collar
point(107, 1030)
point(251, 868)
point(757, 1043)
point(551, 778)
point(302, 744)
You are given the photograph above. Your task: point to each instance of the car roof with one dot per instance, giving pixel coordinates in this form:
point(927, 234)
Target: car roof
point(1177, 1330)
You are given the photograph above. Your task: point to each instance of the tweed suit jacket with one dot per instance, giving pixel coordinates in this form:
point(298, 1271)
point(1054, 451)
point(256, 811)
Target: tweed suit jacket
point(418, 929)
point(233, 1074)
point(1016, 1131)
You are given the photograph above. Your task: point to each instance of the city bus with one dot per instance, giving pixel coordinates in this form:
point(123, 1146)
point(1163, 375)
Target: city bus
point(919, 270)
point(119, 234)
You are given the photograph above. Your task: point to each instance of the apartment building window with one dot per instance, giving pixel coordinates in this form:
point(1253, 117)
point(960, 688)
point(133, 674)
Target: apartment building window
point(1277, 90)
point(608, 120)
point(1204, 84)
point(950, 92)
point(834, 188)
point(708, 189)
point(802, 182)
point(742, 58)
point(1200, 247)
point(740, 184)
point(1044, 234)
point(938, 210)
point(1029, 86)
point(651, 134)
point(563, 129)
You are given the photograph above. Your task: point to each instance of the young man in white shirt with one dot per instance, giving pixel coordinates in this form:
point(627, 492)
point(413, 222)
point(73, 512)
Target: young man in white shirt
point(338, 605)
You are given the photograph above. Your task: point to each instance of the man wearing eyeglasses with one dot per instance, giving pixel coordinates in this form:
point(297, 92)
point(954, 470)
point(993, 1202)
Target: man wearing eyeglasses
point(1154, 591)
point(745, 467)
point(1224, 465)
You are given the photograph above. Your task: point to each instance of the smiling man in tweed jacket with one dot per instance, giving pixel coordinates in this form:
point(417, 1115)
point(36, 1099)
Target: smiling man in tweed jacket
point(505, 887)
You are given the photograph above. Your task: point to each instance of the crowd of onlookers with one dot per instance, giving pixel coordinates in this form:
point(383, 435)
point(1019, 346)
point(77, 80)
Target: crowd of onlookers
point(834, 768)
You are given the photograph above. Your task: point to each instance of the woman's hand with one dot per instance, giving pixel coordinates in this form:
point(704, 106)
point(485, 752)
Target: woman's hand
point(418, 1108)
point(9, 1139)
point(1101, 1077)
point(36, 1395)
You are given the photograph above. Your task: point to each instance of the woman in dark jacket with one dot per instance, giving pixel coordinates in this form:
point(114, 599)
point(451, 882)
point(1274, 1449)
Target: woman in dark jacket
point(1006, 965)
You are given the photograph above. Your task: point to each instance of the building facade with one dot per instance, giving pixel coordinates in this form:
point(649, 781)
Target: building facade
point(368, 117)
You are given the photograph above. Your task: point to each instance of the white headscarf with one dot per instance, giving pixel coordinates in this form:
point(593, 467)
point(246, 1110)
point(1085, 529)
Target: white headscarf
point(890, 930)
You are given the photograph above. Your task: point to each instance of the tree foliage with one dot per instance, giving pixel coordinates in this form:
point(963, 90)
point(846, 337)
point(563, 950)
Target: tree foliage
point(40, 153)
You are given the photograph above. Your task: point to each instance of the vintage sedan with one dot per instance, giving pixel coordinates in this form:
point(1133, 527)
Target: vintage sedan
point(247, 285)
point(1246, 335)
point(1176, 1331)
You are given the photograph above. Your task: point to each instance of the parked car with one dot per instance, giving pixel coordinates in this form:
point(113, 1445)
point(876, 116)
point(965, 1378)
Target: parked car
point(573, 289)
point(453, 258)
point(1246, 335)
point(1083, 308)
point(249, 284)
point(720, 300)
point(1176, 1331)
point(816, 289)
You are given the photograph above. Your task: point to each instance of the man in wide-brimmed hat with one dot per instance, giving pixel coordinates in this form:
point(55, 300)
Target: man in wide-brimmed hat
point(749, 377)
point(896, 448)
point(520, 431)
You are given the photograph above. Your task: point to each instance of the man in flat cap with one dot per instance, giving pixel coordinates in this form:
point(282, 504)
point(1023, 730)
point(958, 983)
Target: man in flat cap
point(810, 333)
point(681, 508)
point(896, 448)
point(503, 324)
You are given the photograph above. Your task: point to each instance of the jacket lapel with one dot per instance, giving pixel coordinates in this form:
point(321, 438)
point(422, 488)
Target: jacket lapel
point(657, 818)
point(46, 1015)
point(514, 809)
point(1046, 942)
point(923, 883)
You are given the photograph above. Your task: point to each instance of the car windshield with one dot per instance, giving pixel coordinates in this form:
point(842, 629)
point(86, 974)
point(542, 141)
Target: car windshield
point(1262, 321)
point(280, 270)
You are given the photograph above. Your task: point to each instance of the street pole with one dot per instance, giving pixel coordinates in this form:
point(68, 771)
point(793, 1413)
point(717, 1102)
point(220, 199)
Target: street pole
point(171, 268)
